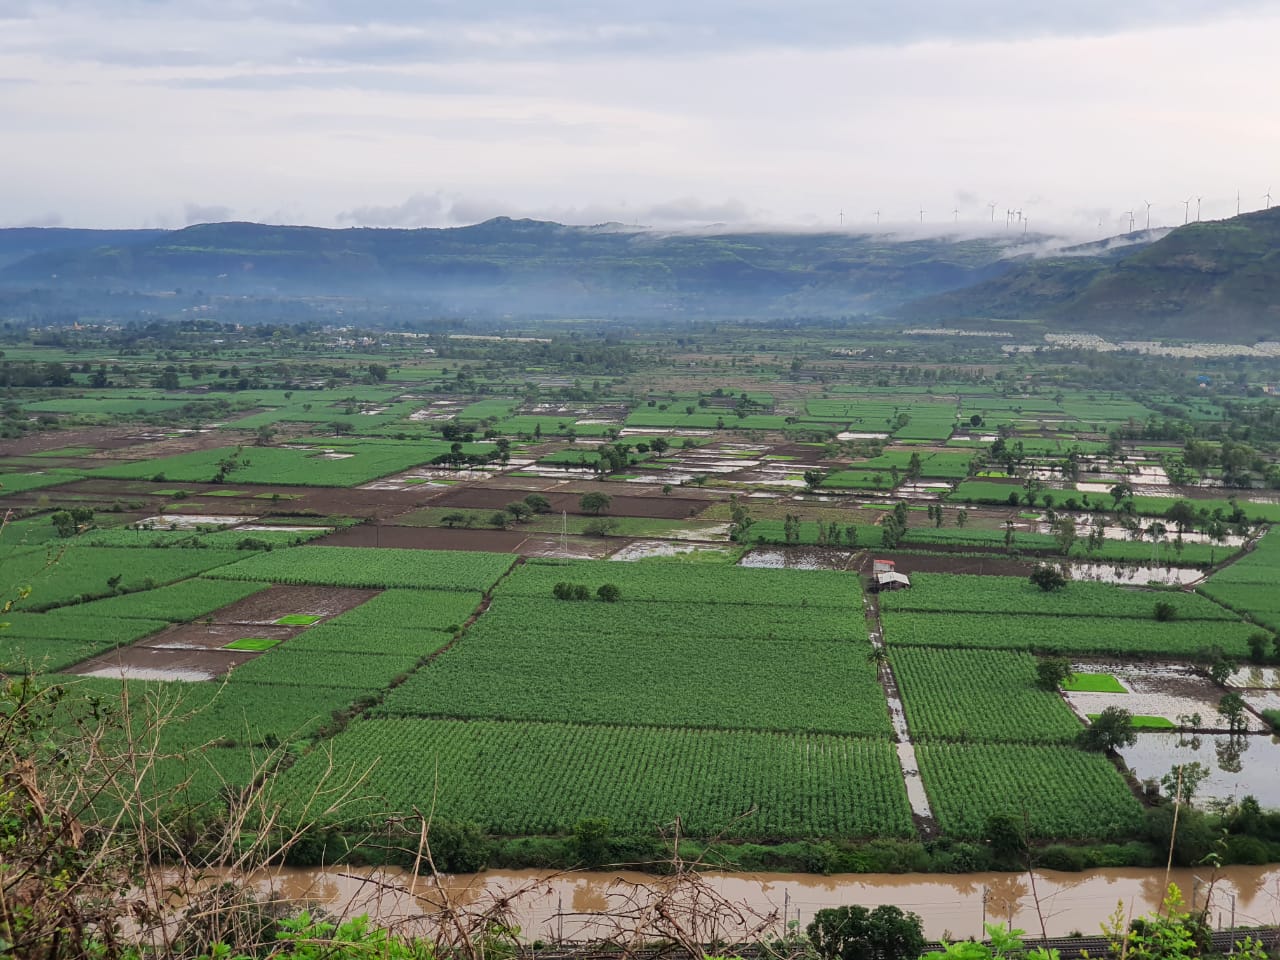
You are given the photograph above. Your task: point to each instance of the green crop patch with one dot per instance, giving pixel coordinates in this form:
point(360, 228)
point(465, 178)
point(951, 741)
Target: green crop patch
point(976, 695)
point(1062, 792)
point(1124, 636)
point(1143, 721)
point(1092, 683)
point(951, 593)
point(252, 643)
point(555, 774)
point(298, 620)
point(387, 567)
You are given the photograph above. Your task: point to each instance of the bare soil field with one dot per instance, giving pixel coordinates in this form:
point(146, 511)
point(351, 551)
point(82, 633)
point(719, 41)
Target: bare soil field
point(426, 538)
point(910, 563)
point(151, 663)
point(487, 498)
point(282, 599)
point(100, 438)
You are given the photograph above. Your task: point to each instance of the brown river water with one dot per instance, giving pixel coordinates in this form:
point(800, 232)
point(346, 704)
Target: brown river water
point(567, 906)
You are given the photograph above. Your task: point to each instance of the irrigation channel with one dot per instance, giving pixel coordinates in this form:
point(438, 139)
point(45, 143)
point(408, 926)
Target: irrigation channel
point(574, 907)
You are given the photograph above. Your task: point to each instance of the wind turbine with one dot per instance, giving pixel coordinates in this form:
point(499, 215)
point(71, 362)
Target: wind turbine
point(922, 214)
point(877, 218)
point(1148, 203)
point(1267, 196)
point(1186, 210)
point(1237, 202)
point(992, 205)
point(1198, 199)
point(1024, 225)
point(956, 214)
point(1129, 214)
point(842, 216)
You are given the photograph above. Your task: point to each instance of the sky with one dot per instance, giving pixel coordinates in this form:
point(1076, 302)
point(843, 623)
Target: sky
point(939, 114)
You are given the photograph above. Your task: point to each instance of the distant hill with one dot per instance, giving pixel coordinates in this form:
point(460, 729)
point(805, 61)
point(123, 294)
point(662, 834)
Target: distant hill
point(18, 243)
point(1221, 277)
point(1219, 280)
point(530, 267)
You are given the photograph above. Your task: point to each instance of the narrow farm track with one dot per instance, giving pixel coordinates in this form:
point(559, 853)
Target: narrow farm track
point(921, 811)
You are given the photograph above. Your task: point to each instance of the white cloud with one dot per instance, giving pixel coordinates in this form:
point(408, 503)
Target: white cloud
point(415, 113)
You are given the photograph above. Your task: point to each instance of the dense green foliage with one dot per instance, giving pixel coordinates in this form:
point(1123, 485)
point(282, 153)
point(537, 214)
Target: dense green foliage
point(1103, 635)
point(969, 782)
point(979, 695)
point(356, 567)
point(751, 785)
point(948, 592)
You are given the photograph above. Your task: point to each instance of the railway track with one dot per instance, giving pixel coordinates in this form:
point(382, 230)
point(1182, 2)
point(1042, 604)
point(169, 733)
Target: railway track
point(1069, 948)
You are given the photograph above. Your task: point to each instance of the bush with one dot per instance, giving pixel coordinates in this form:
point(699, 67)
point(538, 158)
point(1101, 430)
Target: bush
point(1165, 611)
point(855, 933)
point(609, 593)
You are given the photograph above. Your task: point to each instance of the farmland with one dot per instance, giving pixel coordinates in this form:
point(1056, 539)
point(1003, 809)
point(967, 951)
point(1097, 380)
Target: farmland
point(540, 591)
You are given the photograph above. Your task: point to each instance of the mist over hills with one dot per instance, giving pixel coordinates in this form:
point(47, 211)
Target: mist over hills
point(1223, 273)
point(1211, 280)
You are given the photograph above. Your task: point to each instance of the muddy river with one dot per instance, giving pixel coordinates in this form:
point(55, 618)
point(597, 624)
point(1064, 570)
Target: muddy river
point(569, 906)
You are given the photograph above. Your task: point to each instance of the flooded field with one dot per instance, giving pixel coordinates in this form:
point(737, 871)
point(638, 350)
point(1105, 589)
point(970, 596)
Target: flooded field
point(1135, 575)
point(647, 549)
point(1239, 766)
point(797, 558)
point(1169, 690)
point(568, 906)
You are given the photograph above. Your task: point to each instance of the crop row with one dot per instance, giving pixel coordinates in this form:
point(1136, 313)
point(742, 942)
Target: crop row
point(292, 664)
point(1101, 635)
point(177, 603)
point(658, 580)
point(526, 778)
point(42, 643)
point(979, 695)
point(412, 610)
point(632, 619)
point(357, 567)
point(334, 637)
point(77, 572)
point(349, 465)
point(677, 679)
point(968, 593)
point(1061, 792)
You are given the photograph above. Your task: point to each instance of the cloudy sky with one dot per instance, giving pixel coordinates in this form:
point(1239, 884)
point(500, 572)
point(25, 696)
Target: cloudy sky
point(129, 113)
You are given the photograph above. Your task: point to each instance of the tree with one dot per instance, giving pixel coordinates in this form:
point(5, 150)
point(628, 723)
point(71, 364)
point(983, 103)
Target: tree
point(594, 502)
point(1064, 531)
point(378, 372)
point(600, 526)
point(1109, 731)
point(451, 520)
point(856, 933)
point(499, 518)
point(813, 479)
point(1232, 709)
point(1121, 491)
point(1165, 611)
point(609, 592)
point(962, 517)
point(1182, 781)
point(538, 503)
point(1052, 671)
point(63, 523)
point(1259, 642)
point(1221, 668)
point(1048, 577)
point(519, 510)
